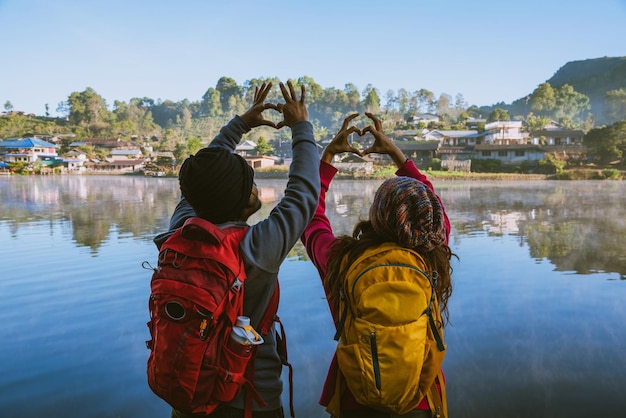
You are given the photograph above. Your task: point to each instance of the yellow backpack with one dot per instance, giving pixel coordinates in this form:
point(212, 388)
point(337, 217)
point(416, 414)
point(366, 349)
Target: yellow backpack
point(390, 334)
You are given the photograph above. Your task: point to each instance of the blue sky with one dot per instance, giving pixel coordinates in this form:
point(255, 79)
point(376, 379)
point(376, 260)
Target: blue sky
point(488, 51)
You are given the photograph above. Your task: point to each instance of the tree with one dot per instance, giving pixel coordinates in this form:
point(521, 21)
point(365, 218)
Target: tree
point(425, 100)
point(211, 104)
point(403, 101)
point(313, 90)
point(181, 152)
point(570, 104)
point(87, 108)
point(615, 105)
point(8, 106)
point(607, 144)
point(543, 100)
point(443, 104)
point(459, 106)
point(134, 118)
point(371, 99)
point(194, 144)
point(263, 147)
point(499, 115)
point(319, 132)
point(391, 101)
point(228, 89)
point(353, 96)
point(235, 106)
point(536, 123)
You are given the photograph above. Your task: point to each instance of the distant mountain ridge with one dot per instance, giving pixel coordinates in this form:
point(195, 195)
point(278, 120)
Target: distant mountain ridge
point(592, 77)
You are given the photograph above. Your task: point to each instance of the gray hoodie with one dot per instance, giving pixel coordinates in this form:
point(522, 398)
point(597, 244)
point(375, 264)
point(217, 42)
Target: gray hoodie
point(267, 244)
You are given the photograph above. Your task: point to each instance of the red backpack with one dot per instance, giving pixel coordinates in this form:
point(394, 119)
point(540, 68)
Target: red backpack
point(196, 296)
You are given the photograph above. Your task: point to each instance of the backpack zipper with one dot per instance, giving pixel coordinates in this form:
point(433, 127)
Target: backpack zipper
point(354, 283)
point(375, 364)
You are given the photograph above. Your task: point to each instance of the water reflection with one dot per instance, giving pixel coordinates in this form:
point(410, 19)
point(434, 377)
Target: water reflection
point(578, 226)
point(525, 340)
point(92, 206)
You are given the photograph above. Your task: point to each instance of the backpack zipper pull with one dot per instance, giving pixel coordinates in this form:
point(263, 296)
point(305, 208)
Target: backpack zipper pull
point(203, 326)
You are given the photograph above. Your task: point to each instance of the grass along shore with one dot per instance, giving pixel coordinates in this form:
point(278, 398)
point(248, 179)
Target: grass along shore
point(386, 172)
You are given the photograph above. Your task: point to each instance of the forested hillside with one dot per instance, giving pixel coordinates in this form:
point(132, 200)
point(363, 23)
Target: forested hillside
point(581, 95)
point(593, 78)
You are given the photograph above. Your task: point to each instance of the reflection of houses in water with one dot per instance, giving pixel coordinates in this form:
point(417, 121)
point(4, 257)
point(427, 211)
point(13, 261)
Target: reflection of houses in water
point(341, 209)
point(269, 194)
point(503, 222)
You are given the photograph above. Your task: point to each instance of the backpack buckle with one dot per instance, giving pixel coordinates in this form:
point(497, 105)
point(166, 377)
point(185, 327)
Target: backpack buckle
point(237, 284)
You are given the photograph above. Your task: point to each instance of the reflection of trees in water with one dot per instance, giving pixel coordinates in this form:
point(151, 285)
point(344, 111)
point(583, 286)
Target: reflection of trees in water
point(583, 245)
point(578, 226)
point(94, 206)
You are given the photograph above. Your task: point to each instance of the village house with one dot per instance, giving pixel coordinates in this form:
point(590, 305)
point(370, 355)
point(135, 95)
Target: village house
point(425, 119)
point(509, 154)
point(246, 148)
point(408, 134)
point(475, 123)
point(126, 154)
point(163, 158)
point(119, 166)
point(419, 151)
point(28, 150)
point(505, 133)
point(108, 143)
point(557, 136)
point(452, 138)
point(352, 163)
point(260, 161)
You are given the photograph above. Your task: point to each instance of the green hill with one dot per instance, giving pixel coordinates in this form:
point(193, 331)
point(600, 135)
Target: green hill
point(593, 78)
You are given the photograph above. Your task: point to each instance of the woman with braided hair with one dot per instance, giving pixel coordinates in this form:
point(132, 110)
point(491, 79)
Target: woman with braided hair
point(405, 211)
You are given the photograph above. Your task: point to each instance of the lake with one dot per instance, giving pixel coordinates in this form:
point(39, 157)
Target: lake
point(537, 310)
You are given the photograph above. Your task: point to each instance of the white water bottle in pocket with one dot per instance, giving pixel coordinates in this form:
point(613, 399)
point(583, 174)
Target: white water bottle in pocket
point(243, 337)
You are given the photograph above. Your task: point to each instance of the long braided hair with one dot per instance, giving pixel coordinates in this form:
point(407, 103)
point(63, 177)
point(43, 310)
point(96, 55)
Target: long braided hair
point(404, 211)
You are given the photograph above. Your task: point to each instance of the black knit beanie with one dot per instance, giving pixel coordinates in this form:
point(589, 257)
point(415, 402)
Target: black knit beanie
point(216, 183)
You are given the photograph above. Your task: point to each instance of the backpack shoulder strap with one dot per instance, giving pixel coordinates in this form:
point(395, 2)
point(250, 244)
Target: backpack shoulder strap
point(438, 402)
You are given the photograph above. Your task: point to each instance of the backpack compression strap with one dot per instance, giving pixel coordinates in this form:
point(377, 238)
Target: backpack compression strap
point(265, 325)
point(438, 403)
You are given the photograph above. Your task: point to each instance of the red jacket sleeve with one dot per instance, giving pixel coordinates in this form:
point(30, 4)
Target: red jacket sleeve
point(318, 237)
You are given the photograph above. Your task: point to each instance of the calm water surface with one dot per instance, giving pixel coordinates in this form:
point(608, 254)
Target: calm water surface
point(537, 311)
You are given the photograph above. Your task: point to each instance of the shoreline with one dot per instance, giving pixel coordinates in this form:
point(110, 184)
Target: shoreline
point(568, 174)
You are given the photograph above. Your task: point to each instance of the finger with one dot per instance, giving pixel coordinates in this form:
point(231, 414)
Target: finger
point(353, 129)
point(356, 151)
point(265, 90)
point(284, 91)
point(367, 129)
point(256, 95)
point(292, 90)
point(280, 124)
point(347, 120)
point(377, 124)
point(302, 93)
point(267, 123)
point(273, 106)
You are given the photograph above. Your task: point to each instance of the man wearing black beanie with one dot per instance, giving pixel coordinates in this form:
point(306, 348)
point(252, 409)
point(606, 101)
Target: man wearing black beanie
point(218, 185)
